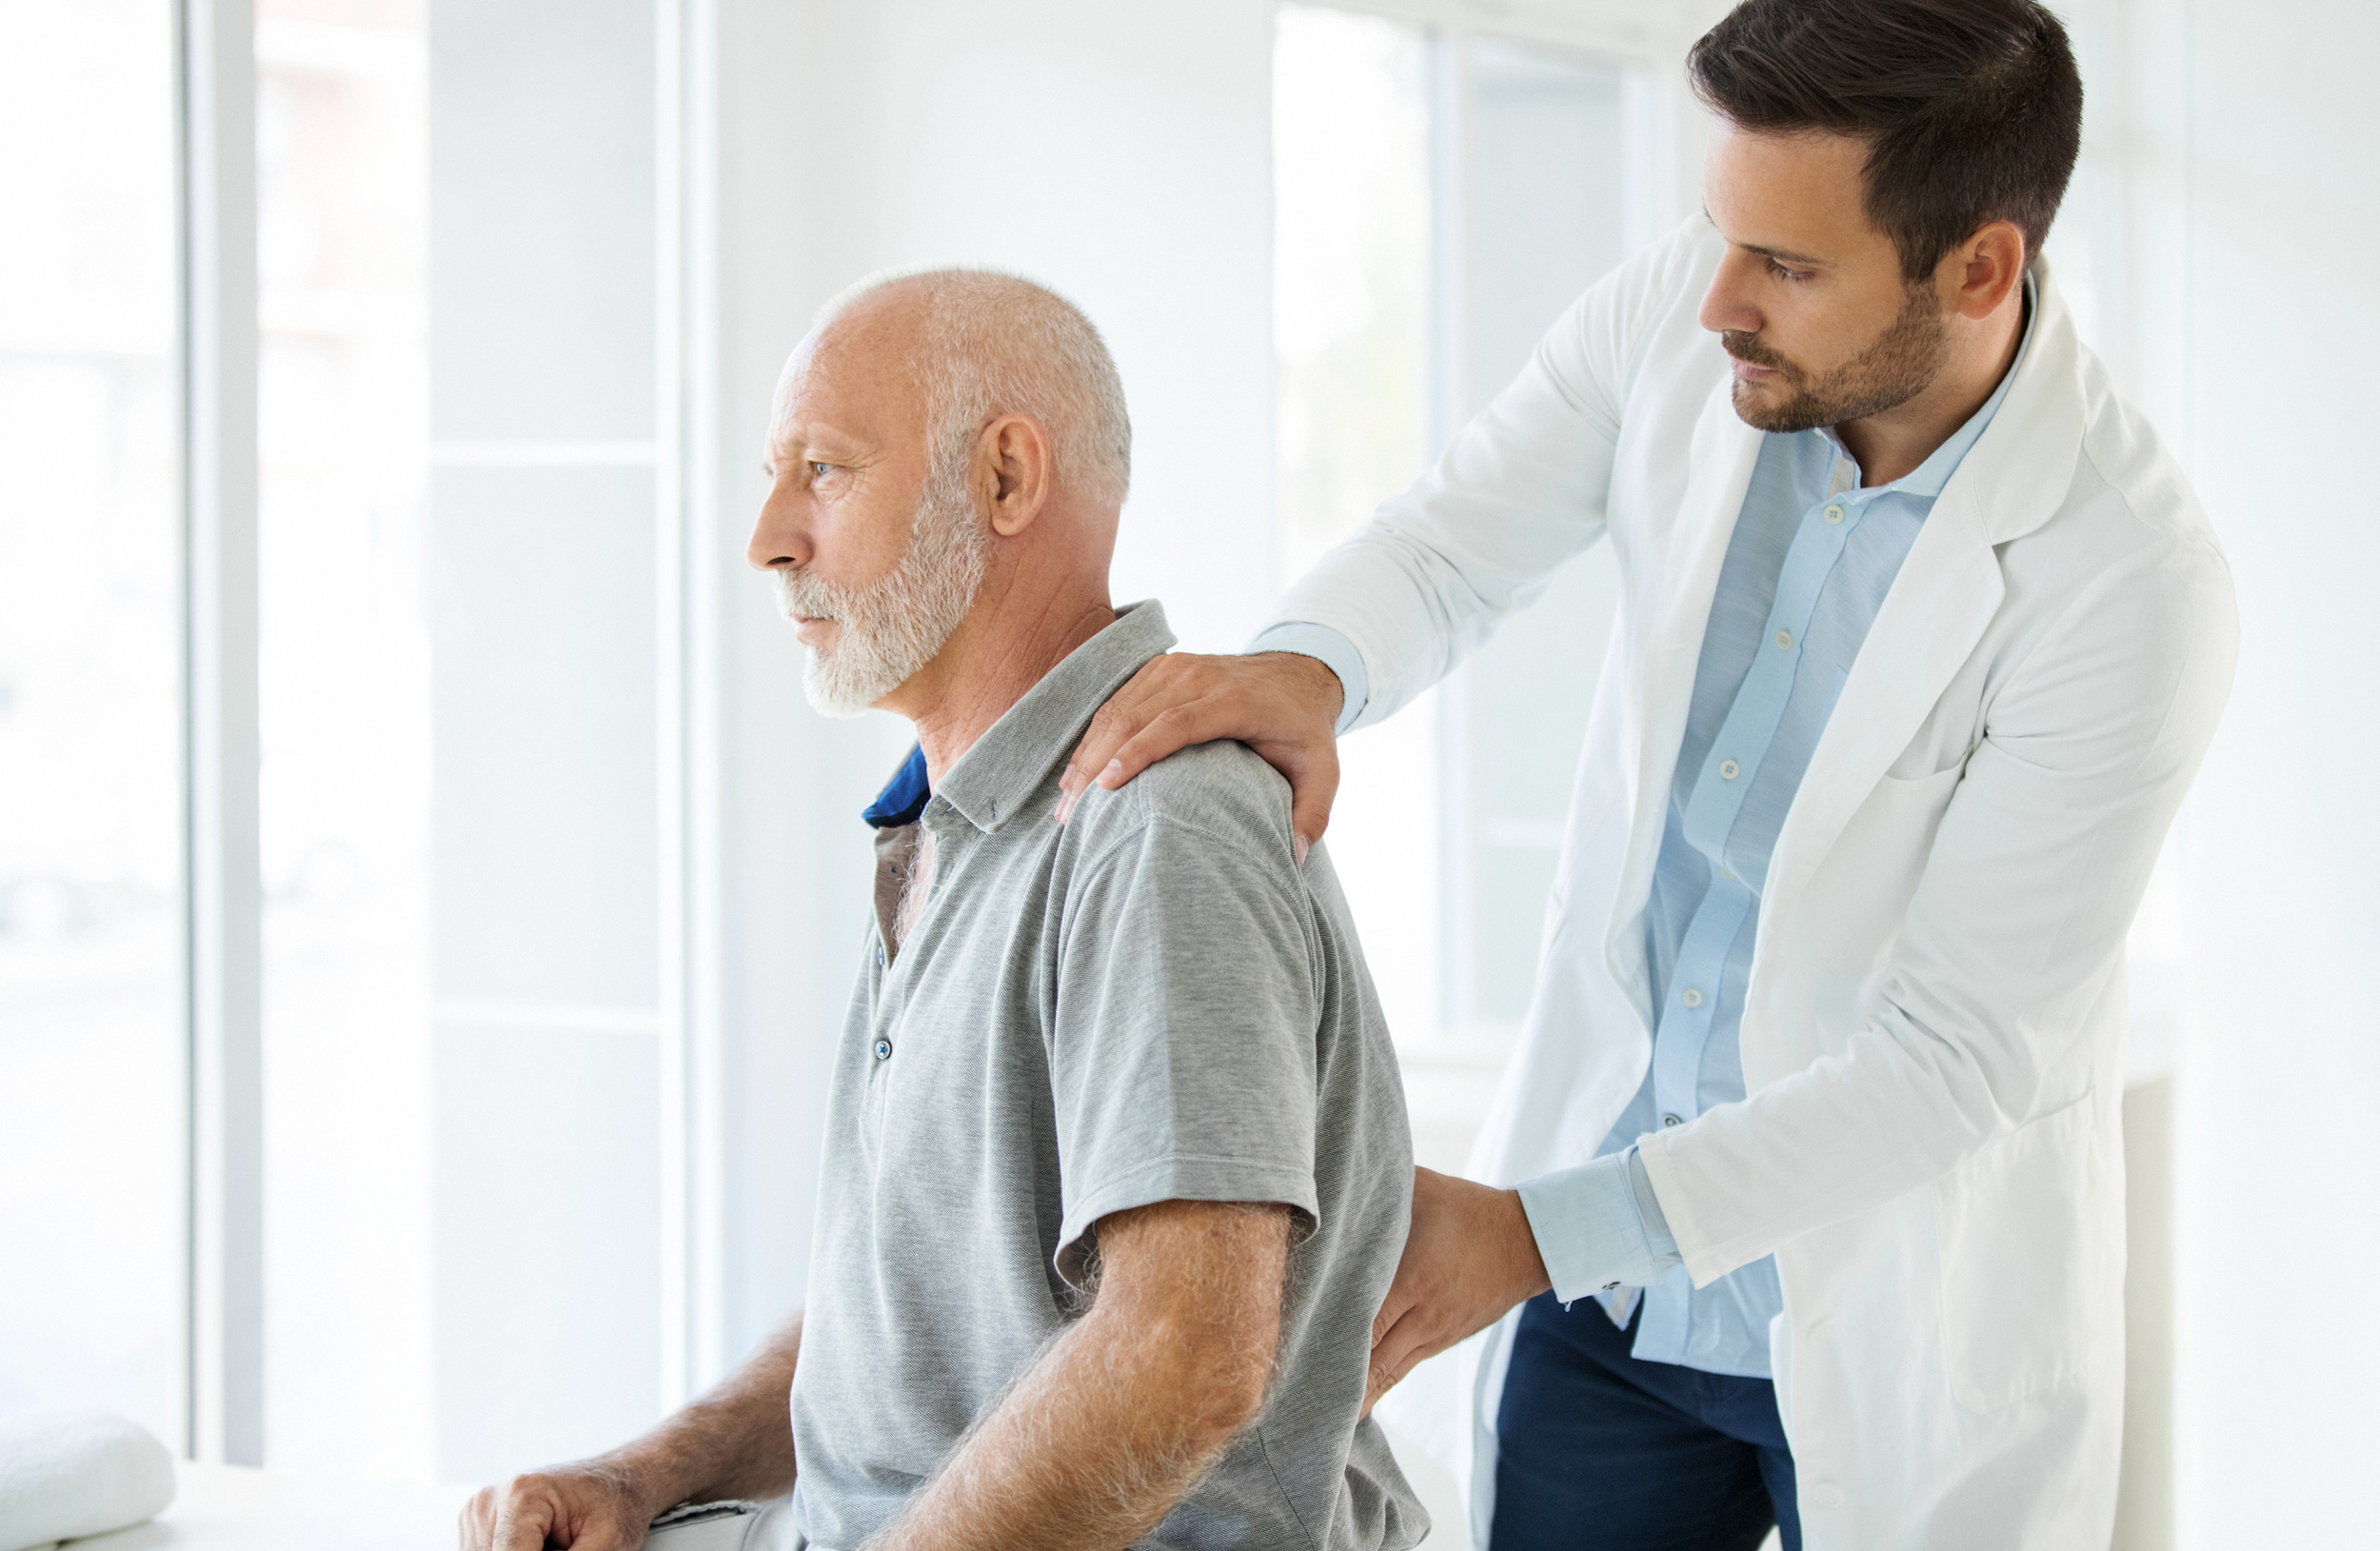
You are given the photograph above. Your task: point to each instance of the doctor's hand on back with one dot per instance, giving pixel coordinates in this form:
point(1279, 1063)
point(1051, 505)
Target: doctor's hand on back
point(1470, 1256)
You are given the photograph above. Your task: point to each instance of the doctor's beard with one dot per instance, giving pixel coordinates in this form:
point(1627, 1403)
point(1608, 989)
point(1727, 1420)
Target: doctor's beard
point(894, 626)
point(1887, 374)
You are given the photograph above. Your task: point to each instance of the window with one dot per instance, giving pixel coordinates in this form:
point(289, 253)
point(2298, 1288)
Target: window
point(92, 1010)
point(1440, 198)
point(342, 662)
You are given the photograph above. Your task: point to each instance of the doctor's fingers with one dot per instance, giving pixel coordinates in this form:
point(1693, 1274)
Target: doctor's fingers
point(1160, 692)
point(1395, 1355)
point(1272, 702)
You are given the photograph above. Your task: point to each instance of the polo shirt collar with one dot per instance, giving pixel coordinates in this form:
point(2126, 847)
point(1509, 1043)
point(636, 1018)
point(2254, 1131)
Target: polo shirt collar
point(992, 780)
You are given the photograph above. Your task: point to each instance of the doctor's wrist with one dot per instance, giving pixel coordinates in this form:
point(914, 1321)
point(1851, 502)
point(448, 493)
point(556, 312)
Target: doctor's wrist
point(1524, 1261)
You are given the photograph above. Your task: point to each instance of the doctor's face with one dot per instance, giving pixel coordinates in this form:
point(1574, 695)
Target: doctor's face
point(1810, 300)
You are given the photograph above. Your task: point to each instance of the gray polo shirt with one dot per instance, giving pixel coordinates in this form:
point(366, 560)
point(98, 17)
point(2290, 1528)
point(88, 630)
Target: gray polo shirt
point(1150, 1003)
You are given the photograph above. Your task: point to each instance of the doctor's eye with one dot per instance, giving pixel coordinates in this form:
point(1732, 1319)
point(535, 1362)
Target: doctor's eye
point(1783, 273)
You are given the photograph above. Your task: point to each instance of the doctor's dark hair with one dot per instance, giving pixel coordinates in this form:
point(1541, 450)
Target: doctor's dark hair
point(1972, 110)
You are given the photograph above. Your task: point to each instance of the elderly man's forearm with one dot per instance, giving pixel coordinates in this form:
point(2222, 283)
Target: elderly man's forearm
point(1123, 1413)
point(1105, 1436)
point(735, 1440)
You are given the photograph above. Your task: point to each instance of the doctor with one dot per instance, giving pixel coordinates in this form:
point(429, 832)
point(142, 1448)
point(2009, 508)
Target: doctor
point(1804, 1191)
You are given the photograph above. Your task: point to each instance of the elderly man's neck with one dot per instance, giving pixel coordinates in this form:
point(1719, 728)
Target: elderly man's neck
point(1010, 640)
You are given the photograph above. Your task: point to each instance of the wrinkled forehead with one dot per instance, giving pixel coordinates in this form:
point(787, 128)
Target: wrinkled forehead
point(854, 370)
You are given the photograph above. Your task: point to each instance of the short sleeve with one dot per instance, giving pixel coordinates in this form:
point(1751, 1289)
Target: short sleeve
point(1182, 1049)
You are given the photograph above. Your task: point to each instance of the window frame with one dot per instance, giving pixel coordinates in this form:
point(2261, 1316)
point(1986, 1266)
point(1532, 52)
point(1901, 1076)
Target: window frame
point(223, 1336)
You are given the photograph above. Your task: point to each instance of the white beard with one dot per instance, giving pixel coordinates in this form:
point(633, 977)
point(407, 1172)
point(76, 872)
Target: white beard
point(893, 626)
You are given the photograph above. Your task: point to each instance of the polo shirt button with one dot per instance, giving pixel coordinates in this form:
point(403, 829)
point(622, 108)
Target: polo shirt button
point(1833, 514)
point(1729, 770)
point(1692, 997)
point(880, 955)
point(1785, 640)
point(1673, 1119)
point(884, 1049)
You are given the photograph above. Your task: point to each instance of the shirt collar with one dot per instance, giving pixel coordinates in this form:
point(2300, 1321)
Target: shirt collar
point(1928, 477)
point(992, 780)
point(904, 796)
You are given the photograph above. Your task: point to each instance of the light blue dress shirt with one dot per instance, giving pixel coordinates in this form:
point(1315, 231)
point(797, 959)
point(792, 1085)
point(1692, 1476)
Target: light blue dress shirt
point(1807, 568)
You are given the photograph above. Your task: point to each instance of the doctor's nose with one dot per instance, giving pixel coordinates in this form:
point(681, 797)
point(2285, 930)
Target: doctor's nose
point(1725, 307)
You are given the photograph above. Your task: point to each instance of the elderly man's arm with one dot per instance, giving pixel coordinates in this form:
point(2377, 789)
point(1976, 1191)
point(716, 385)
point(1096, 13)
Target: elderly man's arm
point(1124, 1413)
point(734, 1441)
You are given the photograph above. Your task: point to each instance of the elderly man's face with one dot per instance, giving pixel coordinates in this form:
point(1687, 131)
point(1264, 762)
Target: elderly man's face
point(876, 551)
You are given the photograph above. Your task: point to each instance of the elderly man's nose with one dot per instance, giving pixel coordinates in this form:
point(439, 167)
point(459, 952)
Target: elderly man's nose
point(775, 538)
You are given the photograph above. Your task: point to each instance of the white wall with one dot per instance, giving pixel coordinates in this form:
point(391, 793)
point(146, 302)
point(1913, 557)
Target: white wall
point(1121, 153)
point(547, 874)
point(2258, 149)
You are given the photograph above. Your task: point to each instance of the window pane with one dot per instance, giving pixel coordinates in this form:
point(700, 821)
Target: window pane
point(343, 665)
point(1548, 206)
point(1351, 328)
point(91, 998)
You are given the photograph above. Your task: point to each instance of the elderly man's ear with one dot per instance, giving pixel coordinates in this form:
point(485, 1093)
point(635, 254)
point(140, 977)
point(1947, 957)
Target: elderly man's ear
point(1013, 472)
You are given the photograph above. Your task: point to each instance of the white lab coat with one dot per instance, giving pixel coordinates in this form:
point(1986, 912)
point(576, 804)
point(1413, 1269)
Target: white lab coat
point(1933, 1035)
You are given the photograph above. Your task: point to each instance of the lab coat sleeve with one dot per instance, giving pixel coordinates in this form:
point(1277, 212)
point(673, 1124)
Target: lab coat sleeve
point(2019, 917)
point(1521, 490)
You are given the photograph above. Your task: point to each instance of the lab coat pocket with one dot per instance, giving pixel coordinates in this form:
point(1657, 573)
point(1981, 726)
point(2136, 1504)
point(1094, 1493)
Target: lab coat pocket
point(2022, 1239)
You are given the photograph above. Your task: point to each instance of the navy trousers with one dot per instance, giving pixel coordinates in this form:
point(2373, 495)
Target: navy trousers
point(1598, 1451)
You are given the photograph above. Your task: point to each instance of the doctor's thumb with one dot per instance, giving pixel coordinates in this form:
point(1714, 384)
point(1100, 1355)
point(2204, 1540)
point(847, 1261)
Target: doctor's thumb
point(1311, 789)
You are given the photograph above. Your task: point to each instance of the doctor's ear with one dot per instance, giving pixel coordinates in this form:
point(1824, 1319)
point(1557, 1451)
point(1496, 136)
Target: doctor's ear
point(1976, 277)
point(1012, 472)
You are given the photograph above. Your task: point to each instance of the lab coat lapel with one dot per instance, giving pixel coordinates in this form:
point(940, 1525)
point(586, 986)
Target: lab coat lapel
point(1949, 589)
point(1938, 607)
point(1721, 455)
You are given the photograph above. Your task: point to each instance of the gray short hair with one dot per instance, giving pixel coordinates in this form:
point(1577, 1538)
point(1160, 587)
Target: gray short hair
point(996, 344)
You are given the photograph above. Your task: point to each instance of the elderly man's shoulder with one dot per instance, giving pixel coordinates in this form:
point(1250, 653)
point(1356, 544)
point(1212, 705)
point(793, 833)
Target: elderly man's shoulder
point(1221, 793)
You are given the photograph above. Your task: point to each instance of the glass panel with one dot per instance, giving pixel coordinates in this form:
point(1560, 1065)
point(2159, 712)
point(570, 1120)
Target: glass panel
point(1351, 331)
point(91, 998)
point(342, 662)
point(1548, 208)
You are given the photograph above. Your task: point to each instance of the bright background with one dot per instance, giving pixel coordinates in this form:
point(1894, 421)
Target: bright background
point(561, 880)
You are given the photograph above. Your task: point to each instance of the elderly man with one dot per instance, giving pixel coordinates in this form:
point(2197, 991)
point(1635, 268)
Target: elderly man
point(1118, 1167)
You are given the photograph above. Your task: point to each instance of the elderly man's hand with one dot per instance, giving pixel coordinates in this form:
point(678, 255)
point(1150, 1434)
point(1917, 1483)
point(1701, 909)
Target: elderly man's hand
point(590, 1506)
point(1279, 704)
point(1469, 1257)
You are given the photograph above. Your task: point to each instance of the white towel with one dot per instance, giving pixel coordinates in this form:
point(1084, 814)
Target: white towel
point(68, 1472)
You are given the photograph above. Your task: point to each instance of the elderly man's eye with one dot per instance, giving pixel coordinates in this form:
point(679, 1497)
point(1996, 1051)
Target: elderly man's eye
point(819, 471)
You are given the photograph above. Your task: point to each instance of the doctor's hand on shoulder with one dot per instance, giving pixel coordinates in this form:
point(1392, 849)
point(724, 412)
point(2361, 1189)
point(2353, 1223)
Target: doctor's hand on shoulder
point(1470, 1257)
point(1279, 704)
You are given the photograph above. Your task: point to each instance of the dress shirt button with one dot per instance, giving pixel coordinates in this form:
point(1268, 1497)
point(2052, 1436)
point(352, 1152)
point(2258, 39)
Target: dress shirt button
point(1692, 997)
point(1785, 640)
point(884, 1049)
point(1833, 514)
point(1673, 1119)
point(1729, 770)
